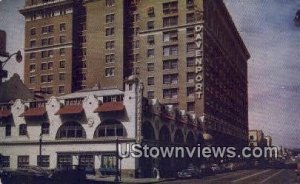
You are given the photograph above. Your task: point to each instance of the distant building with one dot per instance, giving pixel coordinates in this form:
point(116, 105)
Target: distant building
point(256, 138)
point(268, 140)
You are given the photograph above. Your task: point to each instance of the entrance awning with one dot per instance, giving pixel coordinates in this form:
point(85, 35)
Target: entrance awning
point(5, 113)
point(70, 109)
point(110, 107)
point(34, 112)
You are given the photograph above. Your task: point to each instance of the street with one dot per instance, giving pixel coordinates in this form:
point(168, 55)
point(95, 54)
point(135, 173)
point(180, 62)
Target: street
point(272, 176)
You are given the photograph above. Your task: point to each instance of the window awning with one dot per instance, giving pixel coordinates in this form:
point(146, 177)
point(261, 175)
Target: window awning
point(70, 109)
point(5, 113)
point(34, 112)
point(110, 107)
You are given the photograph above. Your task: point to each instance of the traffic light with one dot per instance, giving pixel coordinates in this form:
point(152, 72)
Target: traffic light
point(3, 52)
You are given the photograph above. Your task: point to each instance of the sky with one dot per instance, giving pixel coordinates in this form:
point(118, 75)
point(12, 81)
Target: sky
point(268, 30)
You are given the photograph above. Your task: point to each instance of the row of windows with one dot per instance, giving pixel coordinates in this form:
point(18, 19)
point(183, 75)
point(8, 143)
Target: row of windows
point(47, 66)
point(172, 64)
point(172, 50)
point(48, 29)
point(171, 21)
point(47, 78)
point(47, 41)
point(170, 8)
point(47, 54)
point(75, 130)
point(23, 129)
point(107, 161)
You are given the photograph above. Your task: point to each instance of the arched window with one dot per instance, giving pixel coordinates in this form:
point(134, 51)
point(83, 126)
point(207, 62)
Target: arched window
point(164, 135)
point(110, 128)
point(178, 137)
point(148, 131)
point(71, 130)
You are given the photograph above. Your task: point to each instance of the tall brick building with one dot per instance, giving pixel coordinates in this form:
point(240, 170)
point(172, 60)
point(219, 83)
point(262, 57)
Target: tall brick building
point(188, 53)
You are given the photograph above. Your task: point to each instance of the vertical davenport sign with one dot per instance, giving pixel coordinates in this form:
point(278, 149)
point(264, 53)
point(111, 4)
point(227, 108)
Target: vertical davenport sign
point(199, 61)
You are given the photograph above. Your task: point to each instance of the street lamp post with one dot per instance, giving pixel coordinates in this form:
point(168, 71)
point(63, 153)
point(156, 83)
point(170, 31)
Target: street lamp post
point(40, 144)
point(117, 178)
point(3, 73)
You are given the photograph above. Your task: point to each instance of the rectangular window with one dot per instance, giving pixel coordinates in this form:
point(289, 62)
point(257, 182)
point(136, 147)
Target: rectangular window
point(108, 161)
point(190, 78)
point(110, 58)
point(45, 128)
point(31, 80)
point(190, 18)
point(190, 92)
point(170, 64)
point(61, 89)
point(170, 36)
point(44, 78)
point(170, 79)
point(110, 45)
point(110, 3)
point(5, 161)
point(62, 51)
point(62, 76)
point(110, 18)
point(150, 12)
point(190, 48)
point(190, 4)
point(110, 31)
point(50, 41)
point(32, 68)
point(33, 31)
point(170, 21)
point(190, 106)
point(50, 65)
point(62, 27)
point(23, 161)
point(44, 66)
point(151, 40)
point(109, 72)
point(170, 7)
point(23, 129)
point(32, 56)
point(150, 67)
point(62, 64)
point(43, 161)
point(171, 50)
point(50, 78)
point(170, 93)
point(7, 130)
point(33, 43)
point(87, 160)
point(190, 62)
point(64, 160)
point(190, 32)
point(150, 94)
point(150, 81)
point(150, 53)
point(62, 39)
point(150, 24)
point(44, 41)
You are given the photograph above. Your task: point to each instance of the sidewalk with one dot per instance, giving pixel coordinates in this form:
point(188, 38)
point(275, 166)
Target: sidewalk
point(127, 180)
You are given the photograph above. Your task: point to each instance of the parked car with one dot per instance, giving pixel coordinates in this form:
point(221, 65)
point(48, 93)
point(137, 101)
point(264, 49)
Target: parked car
point(206, 169)
point(69, 174)
point(26, 174)
point(189, 173)
point(215, 168)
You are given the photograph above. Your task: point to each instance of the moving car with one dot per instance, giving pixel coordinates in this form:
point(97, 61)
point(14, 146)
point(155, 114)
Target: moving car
point(215, 168)
point(206, 169)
